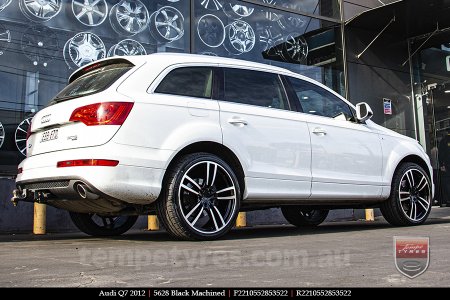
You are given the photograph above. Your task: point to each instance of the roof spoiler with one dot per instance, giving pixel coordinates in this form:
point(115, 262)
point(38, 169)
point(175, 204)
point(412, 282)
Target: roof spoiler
point(96, 65)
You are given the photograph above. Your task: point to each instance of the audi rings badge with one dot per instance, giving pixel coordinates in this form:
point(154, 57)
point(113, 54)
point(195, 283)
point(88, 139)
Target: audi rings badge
point(167, 24)
point(82, 49)
point(129, 17)
point(40, 10)
point(90, 12)
point(4, 4)
point(2, 134)
point(127, 47)
point(5, 38)
point(40, 45)
point(213, 5)
point(237, 11)
point(20, 136)
point(240, 38)
point(211, 31)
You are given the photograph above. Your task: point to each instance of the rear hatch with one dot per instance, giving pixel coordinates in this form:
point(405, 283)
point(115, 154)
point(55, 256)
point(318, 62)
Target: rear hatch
point(88, 112)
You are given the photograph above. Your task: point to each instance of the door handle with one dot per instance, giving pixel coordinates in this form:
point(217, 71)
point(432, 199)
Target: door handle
point(238, 122)
point(319, 131)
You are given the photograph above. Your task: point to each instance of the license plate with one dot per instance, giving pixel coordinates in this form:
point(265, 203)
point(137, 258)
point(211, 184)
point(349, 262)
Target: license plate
point(49, 135)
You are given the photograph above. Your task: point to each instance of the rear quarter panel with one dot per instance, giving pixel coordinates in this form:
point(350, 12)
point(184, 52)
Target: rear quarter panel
point(165, 122)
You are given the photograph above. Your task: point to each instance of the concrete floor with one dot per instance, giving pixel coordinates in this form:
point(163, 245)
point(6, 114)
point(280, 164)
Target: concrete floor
point(349, 254)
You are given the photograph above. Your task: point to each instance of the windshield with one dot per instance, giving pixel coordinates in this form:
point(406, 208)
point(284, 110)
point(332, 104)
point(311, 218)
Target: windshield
point(93, 82)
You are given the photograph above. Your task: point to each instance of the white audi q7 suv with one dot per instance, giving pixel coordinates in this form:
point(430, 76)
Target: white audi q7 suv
point(198, 139)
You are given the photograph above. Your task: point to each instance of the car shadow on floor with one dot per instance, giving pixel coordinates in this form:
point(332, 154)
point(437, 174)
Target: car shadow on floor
point(254, 232)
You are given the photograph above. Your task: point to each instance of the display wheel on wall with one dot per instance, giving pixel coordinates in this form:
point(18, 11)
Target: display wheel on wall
point(21, 136)
point(129, 17)
point(295, 49)
point(213, 5)
point(4, 4)
point(167, 24)
point(83, 48)
point(271, 14)
point(2, 134)
point(211, 31)
point(269, 37)
point(5, 38)
point(291, 23)
point(208, 53)
point(127, 47)
point(237, 11)
point(40, 10)
point(240, 37)
point(90, 12)
point(40, 45)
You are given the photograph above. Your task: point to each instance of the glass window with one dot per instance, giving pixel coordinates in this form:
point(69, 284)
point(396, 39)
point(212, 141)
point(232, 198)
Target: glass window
point(325, 8)
point(94, 81)
point(254, 88)
point(42, 44)
point(318, 101)
point(192, 82)
point(301, 43)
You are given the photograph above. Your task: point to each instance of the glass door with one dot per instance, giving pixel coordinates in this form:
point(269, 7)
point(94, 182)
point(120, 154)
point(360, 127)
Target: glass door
point(440, 141)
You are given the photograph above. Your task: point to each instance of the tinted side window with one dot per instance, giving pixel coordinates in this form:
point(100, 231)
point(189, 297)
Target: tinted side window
point(254, 88)
point(192, 82)
point(317, 101)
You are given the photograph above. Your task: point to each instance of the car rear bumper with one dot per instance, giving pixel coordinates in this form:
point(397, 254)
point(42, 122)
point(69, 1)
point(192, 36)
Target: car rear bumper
point(136, 179)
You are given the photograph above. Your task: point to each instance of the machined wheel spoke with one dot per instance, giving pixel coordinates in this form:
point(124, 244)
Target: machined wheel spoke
point(213, 218)
point(226, 198)
point(411, 212)
point(198, 217)
point(192, 210)
point(189, 189)
point(422, 184)
point(421, 204)
point(214, 175)
point(207, 173)
point(424, 201)
point(410, 177)
point(404, 199)
point(193, 182)
point(231, 188)
point(219, 214)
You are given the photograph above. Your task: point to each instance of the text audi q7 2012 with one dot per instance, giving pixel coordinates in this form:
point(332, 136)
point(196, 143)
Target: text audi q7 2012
point(199, 138)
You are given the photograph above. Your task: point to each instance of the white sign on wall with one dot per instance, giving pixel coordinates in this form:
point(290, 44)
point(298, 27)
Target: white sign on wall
point(448, 63)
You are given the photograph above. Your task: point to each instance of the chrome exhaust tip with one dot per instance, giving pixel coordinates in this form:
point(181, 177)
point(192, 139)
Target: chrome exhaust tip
point(84, 192)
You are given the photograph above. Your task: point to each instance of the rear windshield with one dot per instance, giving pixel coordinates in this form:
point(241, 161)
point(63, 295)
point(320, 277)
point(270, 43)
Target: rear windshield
point(94, 81)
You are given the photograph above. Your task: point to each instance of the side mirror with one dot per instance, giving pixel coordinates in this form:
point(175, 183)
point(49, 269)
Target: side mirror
point(363, 112)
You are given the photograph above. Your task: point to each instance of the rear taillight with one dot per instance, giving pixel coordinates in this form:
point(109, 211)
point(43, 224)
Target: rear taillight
point(87, 163)
point(19, 171)
point(106, 113)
